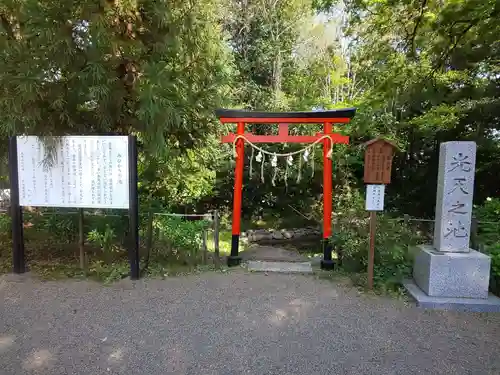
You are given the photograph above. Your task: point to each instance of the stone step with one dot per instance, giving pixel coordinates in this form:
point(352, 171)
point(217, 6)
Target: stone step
point(283, 267)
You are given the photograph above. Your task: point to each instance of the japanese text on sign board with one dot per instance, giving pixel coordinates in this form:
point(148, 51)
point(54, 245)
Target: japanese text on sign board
point(87, 171)
point(375, 197)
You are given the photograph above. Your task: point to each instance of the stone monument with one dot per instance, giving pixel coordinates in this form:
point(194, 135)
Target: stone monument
point(450, 274)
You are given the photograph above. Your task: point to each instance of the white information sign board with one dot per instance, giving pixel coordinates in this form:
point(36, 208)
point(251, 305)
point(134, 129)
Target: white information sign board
point(87, 172)
point(375, 197)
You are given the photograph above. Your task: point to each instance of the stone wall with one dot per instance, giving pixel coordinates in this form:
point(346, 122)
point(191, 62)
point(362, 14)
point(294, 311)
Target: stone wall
point(282, 235)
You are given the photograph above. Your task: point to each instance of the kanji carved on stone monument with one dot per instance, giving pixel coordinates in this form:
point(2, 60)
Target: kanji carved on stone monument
point(454, 196)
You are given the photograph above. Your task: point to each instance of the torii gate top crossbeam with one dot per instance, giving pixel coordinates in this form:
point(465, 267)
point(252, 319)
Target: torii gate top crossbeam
point(283, 119)
point(338, 116)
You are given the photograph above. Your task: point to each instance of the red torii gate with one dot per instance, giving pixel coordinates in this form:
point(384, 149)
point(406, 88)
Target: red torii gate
point(327, 118)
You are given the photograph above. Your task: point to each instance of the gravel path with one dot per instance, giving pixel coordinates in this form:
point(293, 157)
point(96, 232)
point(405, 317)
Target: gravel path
point(234, 323)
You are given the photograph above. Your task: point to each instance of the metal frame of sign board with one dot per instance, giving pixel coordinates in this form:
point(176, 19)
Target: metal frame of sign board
point(18, 255)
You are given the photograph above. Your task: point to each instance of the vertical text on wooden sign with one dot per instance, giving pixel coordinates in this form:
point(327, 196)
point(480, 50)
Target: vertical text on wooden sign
point(378, 163)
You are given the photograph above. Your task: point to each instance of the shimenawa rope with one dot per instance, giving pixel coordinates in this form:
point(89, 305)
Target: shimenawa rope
point(261, 157)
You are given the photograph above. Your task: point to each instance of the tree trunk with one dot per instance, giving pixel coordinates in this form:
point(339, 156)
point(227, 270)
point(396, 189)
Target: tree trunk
point(276, 84)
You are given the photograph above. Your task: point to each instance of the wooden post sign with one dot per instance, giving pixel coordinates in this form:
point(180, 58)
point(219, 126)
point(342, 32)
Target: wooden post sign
point(378, 161)
point(377, 174)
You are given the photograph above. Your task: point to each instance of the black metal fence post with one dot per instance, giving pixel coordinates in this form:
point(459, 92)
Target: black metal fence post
point(16, 213)
point(216, 224)
point(473, 233)
point(133, 251)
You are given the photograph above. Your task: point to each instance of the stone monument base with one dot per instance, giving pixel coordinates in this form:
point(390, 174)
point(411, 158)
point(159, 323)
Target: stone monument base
point(451, 281)
point(490, 304)
point(455, 275)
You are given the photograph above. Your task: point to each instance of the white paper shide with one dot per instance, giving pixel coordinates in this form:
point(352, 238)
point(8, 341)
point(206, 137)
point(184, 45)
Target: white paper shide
point(375, 197)
point(87, 172)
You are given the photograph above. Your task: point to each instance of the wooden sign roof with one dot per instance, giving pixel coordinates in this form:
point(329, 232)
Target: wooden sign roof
point(380, 139)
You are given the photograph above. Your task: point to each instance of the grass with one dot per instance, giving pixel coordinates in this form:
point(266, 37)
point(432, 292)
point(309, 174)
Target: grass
point(158, 270)
point(225, 238)
point(63, 266)
point(52, 255)
point(50, 259)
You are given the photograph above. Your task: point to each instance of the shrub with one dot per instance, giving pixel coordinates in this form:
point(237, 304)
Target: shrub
point(5, 243)
point(105, 240)
point(392, 242)
point(488, 215)
point(180, 237)
point(393, 262)
point(5, 224)
point(63, 226)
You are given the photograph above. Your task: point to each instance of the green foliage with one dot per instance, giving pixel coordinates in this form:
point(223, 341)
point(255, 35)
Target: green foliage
point(5, 224)
point(264, 36)
point(494, 252)
point(155, 69)
point(393, 240)
point(180, 237)
point(488, 216)
point(132, 66)
point(55, 255)
point(423, 80)
point(225, 237)
point(109, 272)
point(63, 227)
point(419, 72)
point(105, 240)
point(489, 210)
point(5, 243)
point(179, 180)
